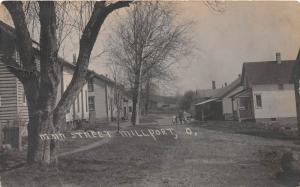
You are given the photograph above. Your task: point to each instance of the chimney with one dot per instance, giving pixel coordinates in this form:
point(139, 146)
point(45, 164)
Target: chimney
point(278, 58)
point(225, 84)
point(213, 85)
point(74, 58)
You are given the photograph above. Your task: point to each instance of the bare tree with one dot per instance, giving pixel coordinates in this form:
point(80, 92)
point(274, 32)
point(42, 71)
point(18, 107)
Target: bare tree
point(119, 89)
point(41, 87)
point(146, 38)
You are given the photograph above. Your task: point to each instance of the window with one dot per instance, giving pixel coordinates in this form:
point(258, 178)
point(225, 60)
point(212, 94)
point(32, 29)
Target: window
point(90, 86)
point(0, 102)
point(92, 103)
point(86, 101)
point(258, 101)
point(280, 86)
point(130, 109)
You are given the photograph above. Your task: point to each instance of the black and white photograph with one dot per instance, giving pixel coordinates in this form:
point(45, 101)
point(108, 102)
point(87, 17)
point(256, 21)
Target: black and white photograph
point(150, 93)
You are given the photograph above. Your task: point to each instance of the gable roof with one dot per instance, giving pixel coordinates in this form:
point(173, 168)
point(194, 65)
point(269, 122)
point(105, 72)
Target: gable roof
point(102, 78)
point(227, 89)
point(219, 92)
point(268, 72)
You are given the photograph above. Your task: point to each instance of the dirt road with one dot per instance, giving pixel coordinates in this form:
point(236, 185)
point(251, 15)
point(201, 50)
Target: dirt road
point(197, 157)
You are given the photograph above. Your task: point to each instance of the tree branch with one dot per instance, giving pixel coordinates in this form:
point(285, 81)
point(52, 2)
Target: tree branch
point(23, 39)
point(87, 41)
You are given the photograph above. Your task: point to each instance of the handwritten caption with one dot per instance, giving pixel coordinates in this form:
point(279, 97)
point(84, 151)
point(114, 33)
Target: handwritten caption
point(153, 133)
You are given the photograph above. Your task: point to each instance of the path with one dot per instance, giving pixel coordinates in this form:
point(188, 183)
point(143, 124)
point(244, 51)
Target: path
point(86, 147)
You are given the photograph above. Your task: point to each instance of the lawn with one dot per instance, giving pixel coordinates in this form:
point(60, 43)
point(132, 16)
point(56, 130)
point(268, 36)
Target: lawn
point(121, 161)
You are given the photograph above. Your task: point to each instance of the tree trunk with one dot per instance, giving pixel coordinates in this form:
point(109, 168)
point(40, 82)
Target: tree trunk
point(45, 117)
point(40, 122)
point(134, 102)
point(147, 96)
point(135, 118)
point(118, 116)
point(33, 138)
point(138, 106)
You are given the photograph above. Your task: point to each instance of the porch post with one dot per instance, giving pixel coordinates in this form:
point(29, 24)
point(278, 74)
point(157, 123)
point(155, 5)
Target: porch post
point(238, 109)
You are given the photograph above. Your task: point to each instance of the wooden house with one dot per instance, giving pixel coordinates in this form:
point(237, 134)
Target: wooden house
point(102, 103)
point(268, 91)
point(13, 105)
point(12, 99)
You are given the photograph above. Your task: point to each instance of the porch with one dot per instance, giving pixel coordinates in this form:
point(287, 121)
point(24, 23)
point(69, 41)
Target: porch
point(210, 109)
point(244, 102)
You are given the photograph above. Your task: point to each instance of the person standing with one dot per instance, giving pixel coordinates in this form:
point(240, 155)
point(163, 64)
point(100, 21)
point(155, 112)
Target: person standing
point(180, 115)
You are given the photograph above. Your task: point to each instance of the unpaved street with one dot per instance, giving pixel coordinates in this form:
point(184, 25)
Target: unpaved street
point(201, 158)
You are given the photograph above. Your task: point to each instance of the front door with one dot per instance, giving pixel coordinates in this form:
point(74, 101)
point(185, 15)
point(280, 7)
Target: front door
point(245, 108)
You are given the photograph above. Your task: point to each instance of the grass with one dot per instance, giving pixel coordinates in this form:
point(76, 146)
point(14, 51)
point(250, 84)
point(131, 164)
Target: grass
point(120, 161)
point(210, 159)
point(272, 131)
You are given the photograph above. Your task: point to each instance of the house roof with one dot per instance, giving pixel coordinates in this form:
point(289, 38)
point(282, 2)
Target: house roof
point(219, 92)
point(268, 72)
point(206, 101)
point(11, 31)
point(244, 92)
point(103, 78)
point(222, 92)
point(206, 93)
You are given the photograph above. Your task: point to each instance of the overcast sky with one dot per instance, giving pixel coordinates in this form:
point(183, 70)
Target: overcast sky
point(246, 31)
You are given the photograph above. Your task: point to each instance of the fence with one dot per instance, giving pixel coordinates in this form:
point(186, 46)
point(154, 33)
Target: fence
point(12, 132)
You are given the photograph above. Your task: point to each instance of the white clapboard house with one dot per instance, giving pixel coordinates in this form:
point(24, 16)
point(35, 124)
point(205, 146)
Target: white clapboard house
point(268, 91)
point(102, 104)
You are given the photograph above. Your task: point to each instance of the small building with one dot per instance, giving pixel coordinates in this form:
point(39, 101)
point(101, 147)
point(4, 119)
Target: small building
point(268, 91)
point(216, 103)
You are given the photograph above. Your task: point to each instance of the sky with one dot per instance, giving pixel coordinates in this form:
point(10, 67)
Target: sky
point(220, 42)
